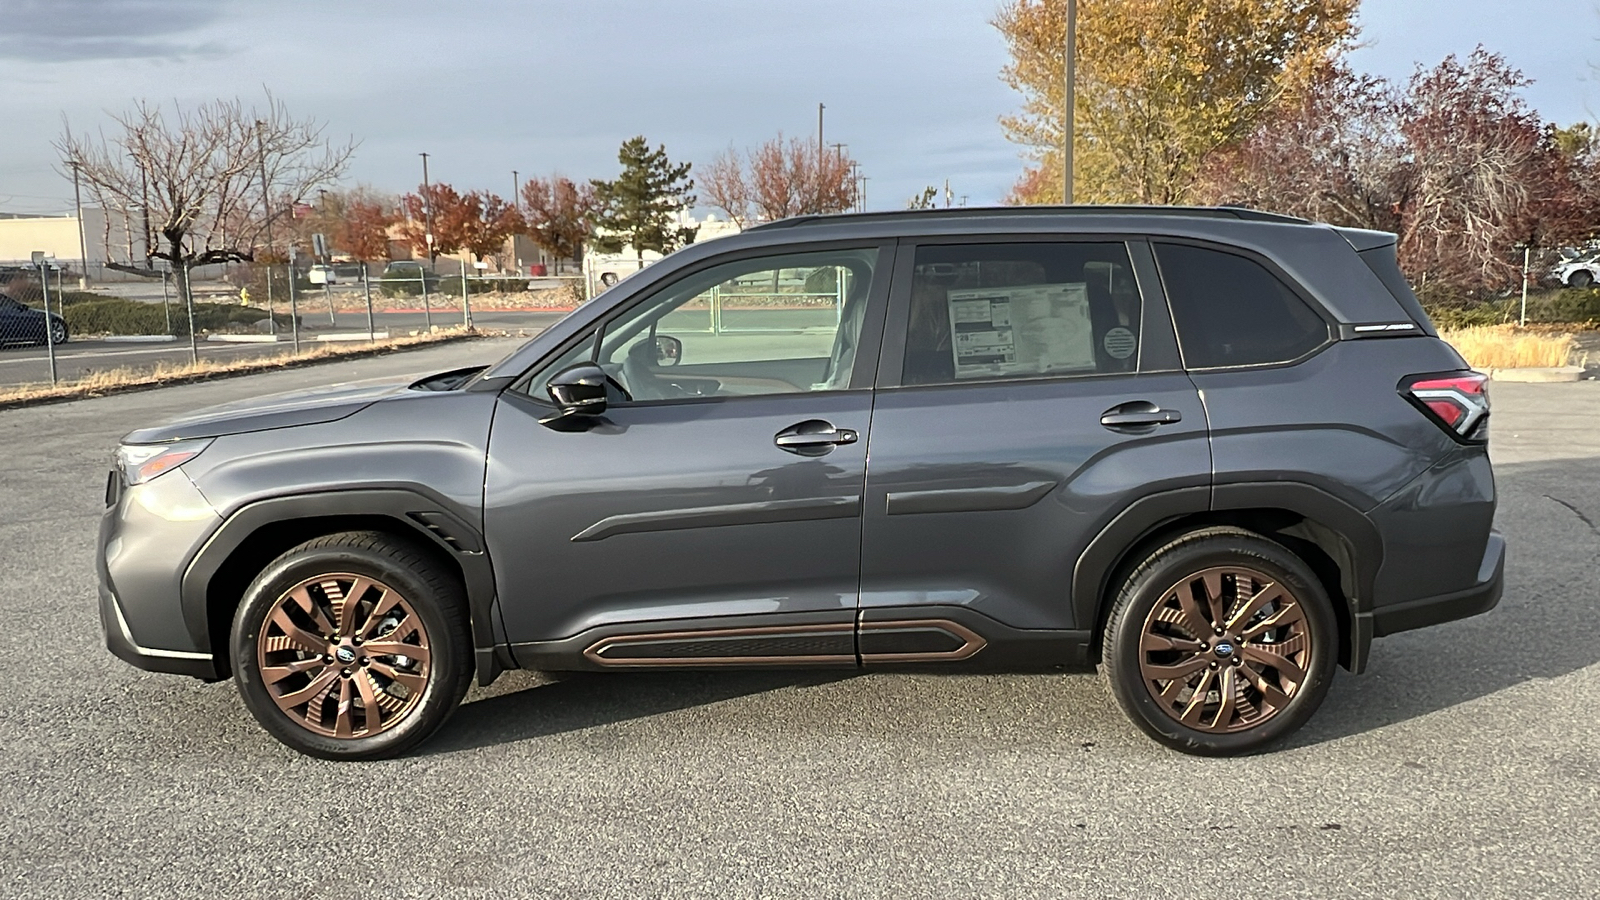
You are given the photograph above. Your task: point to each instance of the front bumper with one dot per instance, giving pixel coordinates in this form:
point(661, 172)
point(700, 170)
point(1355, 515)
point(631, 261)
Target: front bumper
point(119, 640)
point(147, 535)
point(1475, 600)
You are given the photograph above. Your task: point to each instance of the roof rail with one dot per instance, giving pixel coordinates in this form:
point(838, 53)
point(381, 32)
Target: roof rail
point(973, 212)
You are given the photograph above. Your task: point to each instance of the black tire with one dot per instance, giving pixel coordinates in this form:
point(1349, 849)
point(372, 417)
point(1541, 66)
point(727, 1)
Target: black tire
point(432, 595)
point(58, 332)
point(1181, 564)
point(1582, 278)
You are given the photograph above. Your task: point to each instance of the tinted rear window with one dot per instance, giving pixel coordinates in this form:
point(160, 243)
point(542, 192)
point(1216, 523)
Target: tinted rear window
point(1232, 311)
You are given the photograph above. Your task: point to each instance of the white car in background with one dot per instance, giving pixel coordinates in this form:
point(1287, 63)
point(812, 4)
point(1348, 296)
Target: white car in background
point(1578, 271)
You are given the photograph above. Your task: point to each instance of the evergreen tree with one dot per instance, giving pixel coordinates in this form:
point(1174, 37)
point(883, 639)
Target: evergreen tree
point(641, 206)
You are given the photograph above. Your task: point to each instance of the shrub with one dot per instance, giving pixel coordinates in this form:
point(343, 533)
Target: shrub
point(407, 284)
point(116, 316)
point(1567, 306)
point(450, 286)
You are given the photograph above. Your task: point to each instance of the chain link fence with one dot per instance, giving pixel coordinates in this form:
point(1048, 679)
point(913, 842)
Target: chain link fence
point(139, 323)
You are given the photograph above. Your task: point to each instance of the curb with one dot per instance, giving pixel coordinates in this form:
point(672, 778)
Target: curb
point(138, 338)
point(1549, 375)
point(242, 338)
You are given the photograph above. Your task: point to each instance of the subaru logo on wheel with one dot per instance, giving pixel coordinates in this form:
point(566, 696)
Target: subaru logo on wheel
point(1224, 648)
point(345, 655)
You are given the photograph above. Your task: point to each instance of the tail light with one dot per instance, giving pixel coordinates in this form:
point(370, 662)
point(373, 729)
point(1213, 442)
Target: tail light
point(1458, 402)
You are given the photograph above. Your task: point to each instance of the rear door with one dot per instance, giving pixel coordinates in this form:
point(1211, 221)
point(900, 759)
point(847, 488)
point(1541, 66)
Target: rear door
point(1030, 390)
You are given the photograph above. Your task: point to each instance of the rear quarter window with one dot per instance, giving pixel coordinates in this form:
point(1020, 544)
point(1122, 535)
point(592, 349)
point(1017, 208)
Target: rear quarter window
point(1232, 311)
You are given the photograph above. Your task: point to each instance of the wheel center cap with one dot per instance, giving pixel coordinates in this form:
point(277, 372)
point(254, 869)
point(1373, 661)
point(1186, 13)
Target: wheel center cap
point(345, 655)
point(1224, 649)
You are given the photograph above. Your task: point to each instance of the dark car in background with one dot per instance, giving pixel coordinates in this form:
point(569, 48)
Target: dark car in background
point(1215, 451)
point(22, 324)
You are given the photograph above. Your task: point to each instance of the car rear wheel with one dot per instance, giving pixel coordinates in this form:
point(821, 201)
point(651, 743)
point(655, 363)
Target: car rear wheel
point(1220, 643)
point(352, 646)
point(1581, 279)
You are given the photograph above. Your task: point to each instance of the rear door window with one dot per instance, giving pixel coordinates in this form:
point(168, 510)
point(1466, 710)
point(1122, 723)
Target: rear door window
point(1232, 311)
point(1004, 311)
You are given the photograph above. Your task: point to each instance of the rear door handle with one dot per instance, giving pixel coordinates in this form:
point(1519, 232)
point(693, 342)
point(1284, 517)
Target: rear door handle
point(813, 437)
point(1139, 414)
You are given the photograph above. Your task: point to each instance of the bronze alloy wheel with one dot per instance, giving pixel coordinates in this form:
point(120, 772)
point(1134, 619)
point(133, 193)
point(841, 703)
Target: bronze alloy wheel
point(1225, 649)
point(344, 656)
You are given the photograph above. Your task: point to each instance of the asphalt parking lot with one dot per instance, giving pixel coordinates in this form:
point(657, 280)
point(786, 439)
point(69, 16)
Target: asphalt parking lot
point(1465, 763)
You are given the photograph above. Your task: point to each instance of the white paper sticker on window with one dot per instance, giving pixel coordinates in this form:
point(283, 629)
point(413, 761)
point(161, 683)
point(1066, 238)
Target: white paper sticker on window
point(1021, 330)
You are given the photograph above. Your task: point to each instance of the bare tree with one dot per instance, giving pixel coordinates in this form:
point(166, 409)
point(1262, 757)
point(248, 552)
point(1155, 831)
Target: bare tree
point(724, 186)
point(780, 179)
point(197, 178)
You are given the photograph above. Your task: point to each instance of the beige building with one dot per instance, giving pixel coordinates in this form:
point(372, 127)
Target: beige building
point(57, 236)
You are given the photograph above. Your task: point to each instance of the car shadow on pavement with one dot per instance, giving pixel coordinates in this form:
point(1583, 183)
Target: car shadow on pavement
point(579, 700)
point(1550, 515)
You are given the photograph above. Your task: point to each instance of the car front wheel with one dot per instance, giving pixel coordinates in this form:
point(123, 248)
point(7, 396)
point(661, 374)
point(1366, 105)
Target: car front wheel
point(1221, 643)
point(1581, 279)
point(352, 646)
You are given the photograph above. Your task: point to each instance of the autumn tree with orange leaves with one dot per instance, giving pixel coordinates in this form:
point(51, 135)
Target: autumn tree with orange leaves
point(1161, 84)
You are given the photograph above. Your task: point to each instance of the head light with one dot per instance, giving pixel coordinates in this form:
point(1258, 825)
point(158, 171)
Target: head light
point(139, 463)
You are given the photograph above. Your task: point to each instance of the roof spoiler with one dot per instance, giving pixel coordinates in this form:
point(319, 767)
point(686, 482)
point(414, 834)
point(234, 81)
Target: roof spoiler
point(1363, 239)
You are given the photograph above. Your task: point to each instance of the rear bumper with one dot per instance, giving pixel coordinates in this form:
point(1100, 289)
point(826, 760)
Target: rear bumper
point(1480, 598)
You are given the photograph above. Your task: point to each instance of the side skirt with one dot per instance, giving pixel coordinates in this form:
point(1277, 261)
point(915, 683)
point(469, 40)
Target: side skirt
point(941, 638)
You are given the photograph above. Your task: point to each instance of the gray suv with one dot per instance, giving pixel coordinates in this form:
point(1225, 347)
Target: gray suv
point(1213, 450)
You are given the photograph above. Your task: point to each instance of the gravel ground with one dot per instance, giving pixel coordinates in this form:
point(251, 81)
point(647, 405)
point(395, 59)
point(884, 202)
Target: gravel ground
point(1466, 763)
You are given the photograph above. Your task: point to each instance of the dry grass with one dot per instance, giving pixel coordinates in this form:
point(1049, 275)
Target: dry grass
point(1510, 347)
point(111, 381)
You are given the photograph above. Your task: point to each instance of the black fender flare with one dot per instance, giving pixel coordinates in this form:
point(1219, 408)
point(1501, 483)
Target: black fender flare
point(429, 519)
point(1364, 546)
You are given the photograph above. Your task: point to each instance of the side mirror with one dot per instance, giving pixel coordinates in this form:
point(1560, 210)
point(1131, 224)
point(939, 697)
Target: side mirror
point(583, 389)
point(669, 350)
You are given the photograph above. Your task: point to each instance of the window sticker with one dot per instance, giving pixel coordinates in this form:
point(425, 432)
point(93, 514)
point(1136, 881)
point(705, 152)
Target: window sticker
point(1021, 330)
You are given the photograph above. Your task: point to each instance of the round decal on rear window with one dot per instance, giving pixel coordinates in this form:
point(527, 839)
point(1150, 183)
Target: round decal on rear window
point(1119, 343)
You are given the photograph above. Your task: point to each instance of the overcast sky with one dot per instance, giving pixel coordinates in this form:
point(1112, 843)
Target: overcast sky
point(912, 86)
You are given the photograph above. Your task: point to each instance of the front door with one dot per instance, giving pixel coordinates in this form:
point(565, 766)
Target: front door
point(1037, 394)
point(714, 517)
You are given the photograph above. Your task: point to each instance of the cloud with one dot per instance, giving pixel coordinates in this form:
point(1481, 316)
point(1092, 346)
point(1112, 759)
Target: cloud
point(53, 31)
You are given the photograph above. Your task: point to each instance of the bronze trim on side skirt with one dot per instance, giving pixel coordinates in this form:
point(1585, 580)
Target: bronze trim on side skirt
point(971, 641)
point(595, 653)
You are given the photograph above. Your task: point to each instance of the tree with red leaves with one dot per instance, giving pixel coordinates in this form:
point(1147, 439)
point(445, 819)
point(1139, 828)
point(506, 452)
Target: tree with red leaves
point(1456, 163)
point(779, 179)
point(560, 214)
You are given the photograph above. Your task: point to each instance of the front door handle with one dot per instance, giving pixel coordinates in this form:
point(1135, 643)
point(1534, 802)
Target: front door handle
point(1138, 414)
point(813, 437)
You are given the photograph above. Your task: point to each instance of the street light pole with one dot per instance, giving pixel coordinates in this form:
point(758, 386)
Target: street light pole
point(427, 208)
point(1069, 112)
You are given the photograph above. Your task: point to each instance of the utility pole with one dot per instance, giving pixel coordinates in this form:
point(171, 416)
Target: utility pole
point(818, 207)
point(1069, 111)
point(83, 242)
point(516, 188)
point(427, 209)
